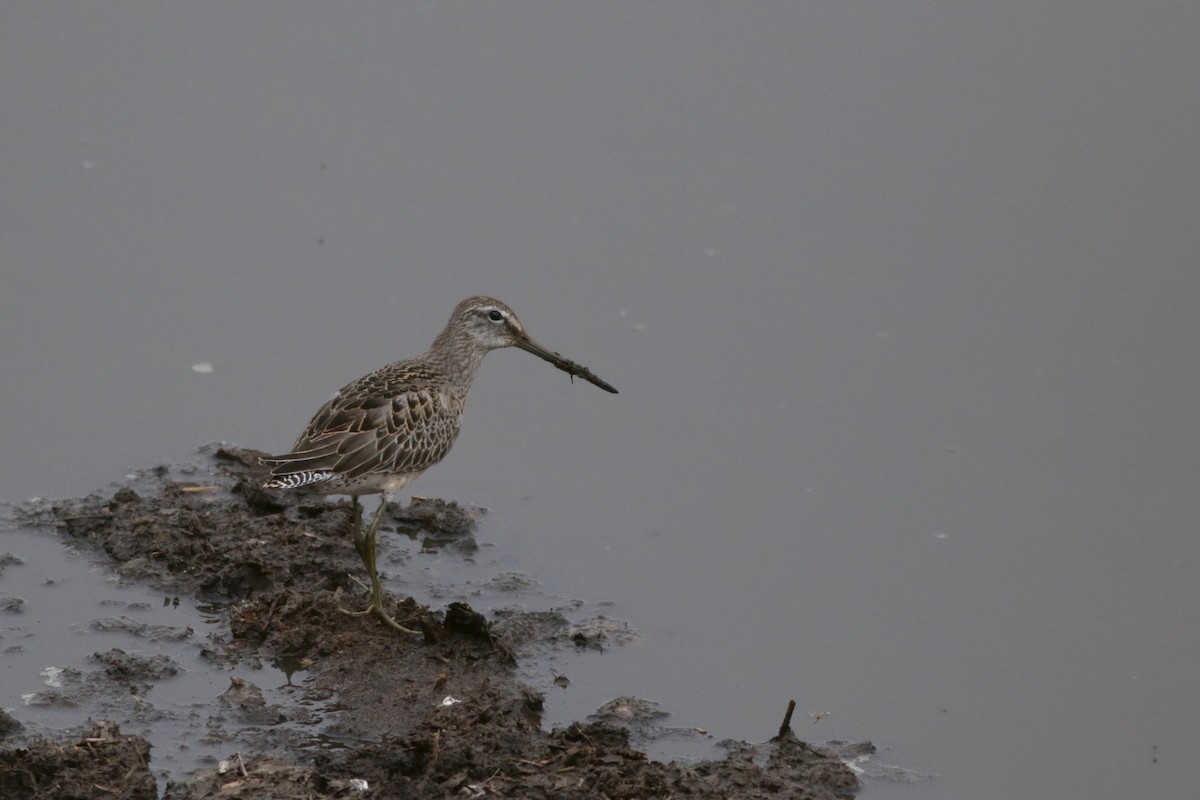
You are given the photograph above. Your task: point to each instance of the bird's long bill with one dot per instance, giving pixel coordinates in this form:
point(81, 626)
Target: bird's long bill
point(565, 364)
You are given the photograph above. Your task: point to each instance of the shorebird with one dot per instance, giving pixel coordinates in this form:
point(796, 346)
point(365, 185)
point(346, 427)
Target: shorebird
point(380, 432)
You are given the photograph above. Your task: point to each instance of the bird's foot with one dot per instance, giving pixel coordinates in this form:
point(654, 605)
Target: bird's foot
point(376, 607)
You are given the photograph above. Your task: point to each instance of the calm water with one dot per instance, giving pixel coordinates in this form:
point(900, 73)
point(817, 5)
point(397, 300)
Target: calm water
point(902, 302)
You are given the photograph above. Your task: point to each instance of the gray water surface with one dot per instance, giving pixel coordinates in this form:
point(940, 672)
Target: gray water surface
point(902, 300)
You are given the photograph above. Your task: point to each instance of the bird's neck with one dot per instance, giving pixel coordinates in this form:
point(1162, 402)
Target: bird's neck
point(457, 354)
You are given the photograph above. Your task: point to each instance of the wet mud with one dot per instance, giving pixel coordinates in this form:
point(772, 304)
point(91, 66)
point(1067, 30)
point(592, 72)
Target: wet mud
point(439, 715)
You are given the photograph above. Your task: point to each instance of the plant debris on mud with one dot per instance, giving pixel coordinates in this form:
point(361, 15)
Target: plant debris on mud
point(441, 715)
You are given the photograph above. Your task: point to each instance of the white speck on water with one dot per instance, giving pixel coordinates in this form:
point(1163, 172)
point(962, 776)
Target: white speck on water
point(202, 367)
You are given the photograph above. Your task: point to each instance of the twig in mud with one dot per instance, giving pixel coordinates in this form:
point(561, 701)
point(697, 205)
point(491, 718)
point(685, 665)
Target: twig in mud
point(786, 727)
point(133, 771)
point(270, 616)
point(33, 781)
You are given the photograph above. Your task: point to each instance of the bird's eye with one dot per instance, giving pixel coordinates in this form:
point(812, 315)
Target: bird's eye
point(495, 316)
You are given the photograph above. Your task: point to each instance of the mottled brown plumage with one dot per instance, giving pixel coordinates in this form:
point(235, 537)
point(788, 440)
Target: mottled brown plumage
point(383, 430)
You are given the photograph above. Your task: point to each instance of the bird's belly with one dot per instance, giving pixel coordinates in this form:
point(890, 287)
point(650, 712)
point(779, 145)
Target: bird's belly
point(367, 484)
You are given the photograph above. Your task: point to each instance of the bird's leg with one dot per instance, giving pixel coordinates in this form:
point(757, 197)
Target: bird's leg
point(368, 553)
point(364, 543)
point(358, 537)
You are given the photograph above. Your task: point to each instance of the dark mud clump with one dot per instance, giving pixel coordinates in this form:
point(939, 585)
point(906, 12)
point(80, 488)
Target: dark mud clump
point(102, 763)
point(440, 715)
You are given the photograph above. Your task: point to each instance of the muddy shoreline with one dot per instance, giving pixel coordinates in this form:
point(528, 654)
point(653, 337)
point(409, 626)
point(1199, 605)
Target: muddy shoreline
point(440, 715)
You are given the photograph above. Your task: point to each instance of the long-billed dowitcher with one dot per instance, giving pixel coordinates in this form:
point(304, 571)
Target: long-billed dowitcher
point(381, 431)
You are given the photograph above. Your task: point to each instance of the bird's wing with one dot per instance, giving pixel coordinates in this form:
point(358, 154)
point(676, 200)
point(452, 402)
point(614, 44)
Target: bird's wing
point(362, 432)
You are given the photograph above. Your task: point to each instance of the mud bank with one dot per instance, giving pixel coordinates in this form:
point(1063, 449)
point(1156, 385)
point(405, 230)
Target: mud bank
point(440, 715)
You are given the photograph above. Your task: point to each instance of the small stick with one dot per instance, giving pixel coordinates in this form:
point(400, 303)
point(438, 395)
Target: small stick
point(580, 371)
point(786, 727)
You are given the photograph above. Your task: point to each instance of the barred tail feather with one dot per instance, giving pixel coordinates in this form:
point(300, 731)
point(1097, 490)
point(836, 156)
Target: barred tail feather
point(291, 480)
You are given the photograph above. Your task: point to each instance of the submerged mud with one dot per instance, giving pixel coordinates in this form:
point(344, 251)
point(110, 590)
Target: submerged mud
point(440, 715)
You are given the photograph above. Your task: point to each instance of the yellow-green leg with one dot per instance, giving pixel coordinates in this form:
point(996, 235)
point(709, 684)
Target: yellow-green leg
point(364, 543)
